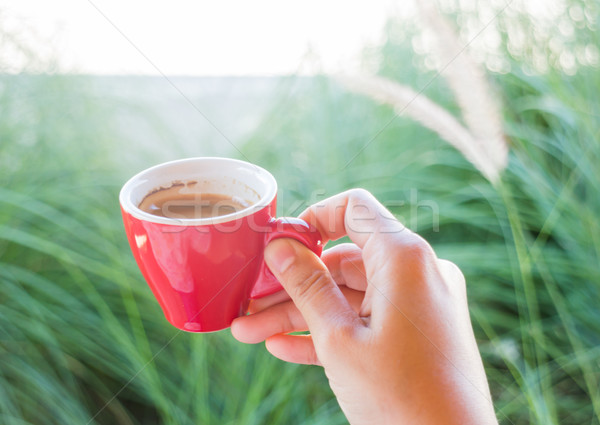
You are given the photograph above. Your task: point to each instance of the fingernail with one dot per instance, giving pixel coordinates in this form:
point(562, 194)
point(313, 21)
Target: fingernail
point(279, 255)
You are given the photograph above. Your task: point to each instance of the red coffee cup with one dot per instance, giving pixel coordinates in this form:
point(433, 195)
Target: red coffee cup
point(204, 271)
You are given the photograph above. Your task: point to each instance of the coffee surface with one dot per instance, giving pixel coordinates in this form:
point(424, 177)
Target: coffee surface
point(179, 202)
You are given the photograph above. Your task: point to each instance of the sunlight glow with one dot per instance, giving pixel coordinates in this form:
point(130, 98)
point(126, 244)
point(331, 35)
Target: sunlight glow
point(264, 37)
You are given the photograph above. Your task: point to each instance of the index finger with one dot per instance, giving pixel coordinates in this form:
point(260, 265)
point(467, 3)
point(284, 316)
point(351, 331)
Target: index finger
point(354, 213)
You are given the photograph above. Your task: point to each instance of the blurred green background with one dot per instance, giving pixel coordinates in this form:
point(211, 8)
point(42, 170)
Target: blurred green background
point(82, 341)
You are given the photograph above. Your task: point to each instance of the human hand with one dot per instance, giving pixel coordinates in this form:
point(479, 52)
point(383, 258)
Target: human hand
point(388, 320)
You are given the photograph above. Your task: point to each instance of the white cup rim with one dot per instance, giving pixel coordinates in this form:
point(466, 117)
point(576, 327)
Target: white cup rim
point(128, 190)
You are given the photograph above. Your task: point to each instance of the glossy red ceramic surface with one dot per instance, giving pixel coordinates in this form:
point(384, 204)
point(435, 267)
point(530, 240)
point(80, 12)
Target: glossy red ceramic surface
point(203, 276)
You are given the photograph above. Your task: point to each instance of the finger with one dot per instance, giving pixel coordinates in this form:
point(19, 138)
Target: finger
point(355, 213)
point(260, 304)
point(346, 266)
point(308, 282)
point(277, 319)
point(280, 318)
point(293, 349)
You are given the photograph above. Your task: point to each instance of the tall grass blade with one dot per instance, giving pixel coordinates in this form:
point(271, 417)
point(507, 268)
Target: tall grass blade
point(418, 107)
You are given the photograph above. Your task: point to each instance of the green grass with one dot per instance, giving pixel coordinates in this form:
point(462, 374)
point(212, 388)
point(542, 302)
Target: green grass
point(83, 341)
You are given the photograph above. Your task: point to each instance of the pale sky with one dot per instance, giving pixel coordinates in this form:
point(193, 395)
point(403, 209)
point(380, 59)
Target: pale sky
point(183, 37)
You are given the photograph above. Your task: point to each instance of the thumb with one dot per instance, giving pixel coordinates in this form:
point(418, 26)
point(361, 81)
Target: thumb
point(310, 286)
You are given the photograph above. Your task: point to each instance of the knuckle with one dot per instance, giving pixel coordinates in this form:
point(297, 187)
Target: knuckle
point(453, 273)
point(452, 269)
point(359, 193)
point(413, 247)
point(359, 196)
point(311, 286)
point(411, 254)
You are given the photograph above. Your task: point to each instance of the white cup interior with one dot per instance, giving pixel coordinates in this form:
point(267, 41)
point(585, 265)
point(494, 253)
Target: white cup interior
point(212, 175)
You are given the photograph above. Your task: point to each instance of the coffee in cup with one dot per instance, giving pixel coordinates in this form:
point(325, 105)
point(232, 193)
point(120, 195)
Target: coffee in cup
point(181, 200)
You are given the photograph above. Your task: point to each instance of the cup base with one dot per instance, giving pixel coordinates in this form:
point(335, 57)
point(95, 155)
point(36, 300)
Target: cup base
point(193, 327)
